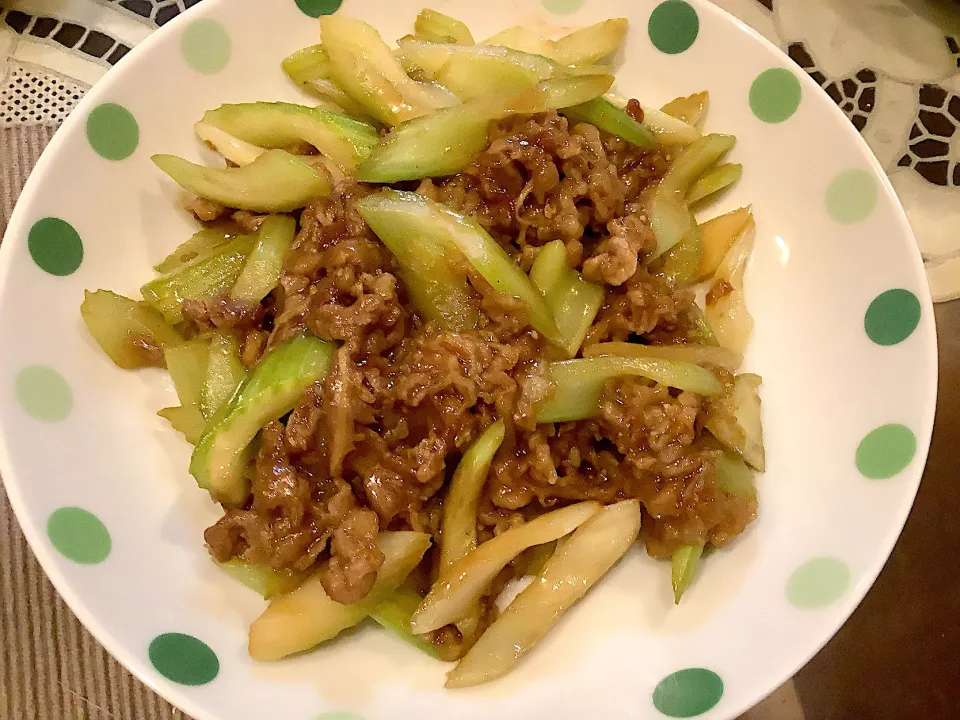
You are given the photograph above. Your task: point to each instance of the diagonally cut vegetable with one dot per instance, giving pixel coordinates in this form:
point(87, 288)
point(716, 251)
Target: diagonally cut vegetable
point(669, 216)
point(394, 614)
point(612, 119)
point(199, 244)
point(433, 58)
point(726, 303)
point(434, 26)
point(734, 420)
point(209, 275)
point(666, 129)
point(575, 567)
point(307, 616)
point(408, 217)
point(187, 364)
point(224, 373)
point(573, 301)
point(364, 67)
point(187, 420)
point(345, 140)
point(261, 273)
point(458, 528)
point(127, 330)
point(489, 71)
point(716, 238)
point(682, 261)
point(265, 581)
point(237, 151)
point(444, 142)
point(691, 109)
point(713, 181)
point(464, 582)
point(309, 68)
point(524, 40)
point(692, 353)
point(270, 391)
point(438, 289)
point(579, 384)
point(733, 475)
point(701, 332)
point(275, 182)
point(592, 43)
point(685, 562)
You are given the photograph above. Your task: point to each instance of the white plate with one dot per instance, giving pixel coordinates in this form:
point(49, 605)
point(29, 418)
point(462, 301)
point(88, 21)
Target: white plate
point(826, 249)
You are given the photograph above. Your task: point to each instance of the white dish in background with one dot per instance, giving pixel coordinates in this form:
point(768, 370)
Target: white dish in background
point(79, 433)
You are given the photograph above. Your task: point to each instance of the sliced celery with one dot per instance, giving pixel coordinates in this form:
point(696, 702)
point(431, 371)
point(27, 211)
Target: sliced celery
point(265, 581)
point(120, 326)
point(589, 44)
point(434, 26)
point(343, 139)
point(734, 420)
point(262, 270)
point(394, 614)
point(270, 391)
point(713, 181)
point(698, 354)
point(685, 562)
point(309, 68)
point(573, 301)
point(717, 237)
point(607, 116)
point(733, 475)
point(444, 142)
point(224, 373)
point(187, 365)
point(275, 182)
point(187, 420)
point(579, 384)
point(210, 275)
point(406, 217)
point(200, 243)
point(691, 109)
point(682, 262)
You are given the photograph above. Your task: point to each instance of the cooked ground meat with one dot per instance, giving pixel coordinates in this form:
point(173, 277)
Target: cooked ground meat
point(371, 447)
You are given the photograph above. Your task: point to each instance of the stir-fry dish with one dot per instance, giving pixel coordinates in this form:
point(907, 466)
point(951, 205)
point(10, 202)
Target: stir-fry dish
point(439, 331)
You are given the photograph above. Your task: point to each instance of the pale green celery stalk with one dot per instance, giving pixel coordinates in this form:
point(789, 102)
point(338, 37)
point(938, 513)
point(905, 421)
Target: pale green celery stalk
point(573, 301)
point(579, 384)
point(270, 391)
point(209, 275)
point(187, 365)
point(434, 26)
point(612, 119)
point(681, 262)
point(713, 181)
point(275, 182)
point(224, 375)
point(416, 221)
point(121, 326)
point(237, 151)
point(685, 563)
point(265, 581)
point(394, 614)
point(261, 273)
point(199, 244)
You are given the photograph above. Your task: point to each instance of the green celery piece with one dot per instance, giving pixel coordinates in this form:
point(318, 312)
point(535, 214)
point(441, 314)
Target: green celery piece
point(405, 217)
point(573, 301)
point(434, 26)
point(270, 391)
point(439, 291)
point(668, 130)
point(265, 581)
point(207, 276)
point(685, 563)
point(117, 322)
point(200, 243)
point(670, 218)
point(579, 384)
point(680, 263)
point(306, 64)
point(733, 475)
point(608, 117)
point(702, 332)
point(444, 142)
point(713, 181)
point(224, 373)
point(345, 140)
point(187, 420)
point(187, 363)
point(472, 76)
point(275, 182)
point(394, 614)
point(261, 273)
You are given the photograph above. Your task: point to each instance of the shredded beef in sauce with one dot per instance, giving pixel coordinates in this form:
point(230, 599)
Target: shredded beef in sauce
point(371, 447)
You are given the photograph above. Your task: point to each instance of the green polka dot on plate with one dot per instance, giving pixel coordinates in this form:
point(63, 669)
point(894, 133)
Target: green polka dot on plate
point(316, 8)
point(79, 535)
point(338, 715)
point(673, 26)
point(851, 196)
point(43, 393)
point(886, 451)
point(55, 246)
point(775, 95)
point(892, 317)
point(205, 45)
point(818, 583)
point(112, 131)
point(184, 659)
point(688, 693)
point(562, 7)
